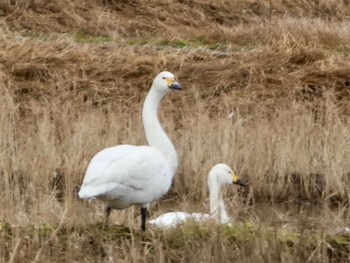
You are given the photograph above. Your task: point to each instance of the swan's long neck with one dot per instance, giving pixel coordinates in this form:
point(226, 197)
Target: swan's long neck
point(155, 135)
point(217, 206)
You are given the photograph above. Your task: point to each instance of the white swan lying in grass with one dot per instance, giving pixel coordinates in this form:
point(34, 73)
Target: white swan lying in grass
point(125, 174)
point(219, 175)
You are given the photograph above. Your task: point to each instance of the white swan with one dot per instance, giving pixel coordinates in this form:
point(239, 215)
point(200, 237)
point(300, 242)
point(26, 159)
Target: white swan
point(219, 175)
point(125, 174)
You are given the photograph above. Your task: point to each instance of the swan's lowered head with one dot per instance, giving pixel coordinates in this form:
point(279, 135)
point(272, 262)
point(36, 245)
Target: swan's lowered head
point(223, 174)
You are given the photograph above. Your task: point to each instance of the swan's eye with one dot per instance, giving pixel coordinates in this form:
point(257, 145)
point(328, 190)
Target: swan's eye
point(164, 77)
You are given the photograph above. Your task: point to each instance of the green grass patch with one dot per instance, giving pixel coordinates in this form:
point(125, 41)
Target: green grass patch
point(81, 37)
point(177, 43)
point(340, 241)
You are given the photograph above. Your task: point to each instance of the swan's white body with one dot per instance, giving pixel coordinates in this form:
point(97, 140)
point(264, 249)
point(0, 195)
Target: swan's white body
point(219, 175)
point(125, 174)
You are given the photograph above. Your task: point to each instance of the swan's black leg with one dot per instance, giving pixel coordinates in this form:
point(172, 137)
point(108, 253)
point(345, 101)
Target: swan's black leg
point(143, 218)
point(107, 213)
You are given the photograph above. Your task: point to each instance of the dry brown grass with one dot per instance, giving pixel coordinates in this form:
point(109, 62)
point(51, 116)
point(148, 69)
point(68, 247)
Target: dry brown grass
point(282, 71)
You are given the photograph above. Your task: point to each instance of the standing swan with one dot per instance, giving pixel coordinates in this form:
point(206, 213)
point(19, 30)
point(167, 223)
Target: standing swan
point(125, 175)
point(219, 175)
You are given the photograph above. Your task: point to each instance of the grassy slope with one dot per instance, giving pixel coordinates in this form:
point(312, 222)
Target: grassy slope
point(70, 71)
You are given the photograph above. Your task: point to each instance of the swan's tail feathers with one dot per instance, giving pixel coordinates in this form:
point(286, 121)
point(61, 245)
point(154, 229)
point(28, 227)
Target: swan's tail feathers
point(91, 191)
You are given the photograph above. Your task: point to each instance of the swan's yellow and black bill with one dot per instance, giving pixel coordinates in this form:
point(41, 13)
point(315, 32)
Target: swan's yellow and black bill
point(173, 84)
point(238, 181)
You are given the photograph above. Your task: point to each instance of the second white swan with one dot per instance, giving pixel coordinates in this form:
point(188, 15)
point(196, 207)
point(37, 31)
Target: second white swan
point(219, 175)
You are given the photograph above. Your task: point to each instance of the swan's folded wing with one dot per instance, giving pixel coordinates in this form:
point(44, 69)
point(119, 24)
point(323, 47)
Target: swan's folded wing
point(95, 183)
point(121, 167)
point(102, 159)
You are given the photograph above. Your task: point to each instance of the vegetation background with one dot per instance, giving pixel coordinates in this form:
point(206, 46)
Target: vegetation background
point(266, 90)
